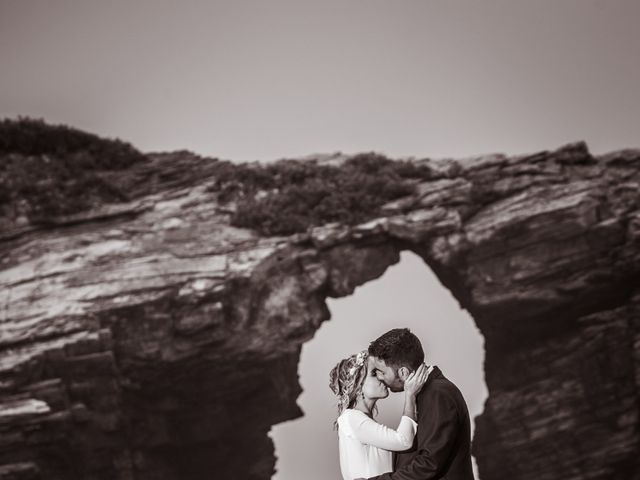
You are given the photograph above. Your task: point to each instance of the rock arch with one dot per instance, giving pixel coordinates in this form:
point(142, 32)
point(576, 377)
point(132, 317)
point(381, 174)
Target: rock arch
point(408, 294)
point(152, 340)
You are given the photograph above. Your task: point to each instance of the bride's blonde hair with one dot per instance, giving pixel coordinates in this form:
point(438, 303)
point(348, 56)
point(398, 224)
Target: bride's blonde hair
point(346, 379)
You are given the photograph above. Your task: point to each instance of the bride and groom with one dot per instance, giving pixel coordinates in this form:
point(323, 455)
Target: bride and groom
point(433, 438)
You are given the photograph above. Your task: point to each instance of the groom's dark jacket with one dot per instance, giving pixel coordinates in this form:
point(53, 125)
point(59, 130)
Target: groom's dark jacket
point(442, 446)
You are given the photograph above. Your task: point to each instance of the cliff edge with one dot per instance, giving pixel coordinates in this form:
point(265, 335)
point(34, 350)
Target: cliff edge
point(153, 306)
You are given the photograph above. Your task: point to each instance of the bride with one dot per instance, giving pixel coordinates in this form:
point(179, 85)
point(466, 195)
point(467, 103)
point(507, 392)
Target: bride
point(365, 445)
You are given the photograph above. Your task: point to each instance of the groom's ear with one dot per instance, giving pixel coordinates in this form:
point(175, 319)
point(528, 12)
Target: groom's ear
point(403, 373)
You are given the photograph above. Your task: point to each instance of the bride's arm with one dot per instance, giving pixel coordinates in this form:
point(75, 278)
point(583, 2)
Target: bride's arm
point(370, 432)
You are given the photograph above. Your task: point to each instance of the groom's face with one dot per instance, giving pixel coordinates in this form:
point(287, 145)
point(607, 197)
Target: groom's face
point(386, 374)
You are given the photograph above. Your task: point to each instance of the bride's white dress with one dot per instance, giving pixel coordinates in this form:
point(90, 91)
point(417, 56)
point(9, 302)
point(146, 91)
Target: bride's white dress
point(365, 445)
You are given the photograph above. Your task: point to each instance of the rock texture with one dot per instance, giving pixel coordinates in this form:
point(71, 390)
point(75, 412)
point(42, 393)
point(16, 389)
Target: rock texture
point(150, 339)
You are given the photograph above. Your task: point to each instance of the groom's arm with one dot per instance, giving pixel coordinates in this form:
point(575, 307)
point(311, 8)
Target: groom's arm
point(438, 429)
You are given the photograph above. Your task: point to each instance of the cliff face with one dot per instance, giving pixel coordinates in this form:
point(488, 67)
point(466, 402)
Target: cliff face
point(148, 338)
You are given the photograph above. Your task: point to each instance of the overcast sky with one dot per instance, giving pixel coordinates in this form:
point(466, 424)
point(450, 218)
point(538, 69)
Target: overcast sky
point(266, 79)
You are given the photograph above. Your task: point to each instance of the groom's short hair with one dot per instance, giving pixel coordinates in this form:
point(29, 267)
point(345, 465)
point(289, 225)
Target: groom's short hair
point(398, 348)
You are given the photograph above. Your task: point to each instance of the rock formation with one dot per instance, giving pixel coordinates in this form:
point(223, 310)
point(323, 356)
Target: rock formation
point(148, 338)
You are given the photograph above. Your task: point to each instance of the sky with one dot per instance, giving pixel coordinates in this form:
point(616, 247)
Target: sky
point(267, 79)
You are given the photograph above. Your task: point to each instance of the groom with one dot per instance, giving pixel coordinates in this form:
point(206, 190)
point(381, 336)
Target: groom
point(442, 446)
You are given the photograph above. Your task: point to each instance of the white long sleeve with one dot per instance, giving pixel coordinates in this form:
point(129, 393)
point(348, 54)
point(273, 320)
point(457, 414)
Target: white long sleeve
point(370, 432)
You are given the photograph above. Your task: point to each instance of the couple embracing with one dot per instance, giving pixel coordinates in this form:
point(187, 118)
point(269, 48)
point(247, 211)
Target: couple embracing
point(433, 438)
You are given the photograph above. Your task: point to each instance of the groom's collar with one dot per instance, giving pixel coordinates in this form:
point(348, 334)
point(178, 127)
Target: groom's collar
point(435, 373)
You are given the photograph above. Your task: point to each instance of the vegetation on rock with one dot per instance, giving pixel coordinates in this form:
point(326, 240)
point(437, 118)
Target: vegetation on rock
point(290, 196)
point(53, 170)
point(48, 170)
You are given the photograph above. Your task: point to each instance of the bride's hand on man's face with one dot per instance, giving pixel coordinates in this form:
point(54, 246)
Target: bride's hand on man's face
point(417, 379)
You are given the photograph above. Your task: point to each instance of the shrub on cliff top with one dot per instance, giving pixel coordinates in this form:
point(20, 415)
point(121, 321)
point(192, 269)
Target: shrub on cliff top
point(30, 137)
point(290, 196)
point(48, 170)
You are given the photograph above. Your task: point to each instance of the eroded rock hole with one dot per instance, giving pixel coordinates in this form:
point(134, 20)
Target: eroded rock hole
point(408, 294)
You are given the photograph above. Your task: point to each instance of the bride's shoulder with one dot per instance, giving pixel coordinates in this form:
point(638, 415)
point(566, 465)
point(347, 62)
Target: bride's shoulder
point(348, 413)
point(352, 411)
point(349, 419)
point(352, 415)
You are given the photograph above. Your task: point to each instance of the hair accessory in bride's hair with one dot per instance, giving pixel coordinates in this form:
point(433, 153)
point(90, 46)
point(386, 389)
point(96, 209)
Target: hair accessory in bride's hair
point(360, 358)
point(346, 379)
